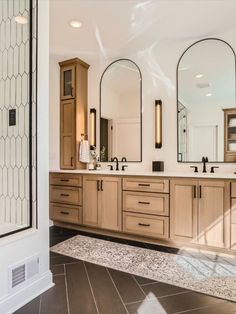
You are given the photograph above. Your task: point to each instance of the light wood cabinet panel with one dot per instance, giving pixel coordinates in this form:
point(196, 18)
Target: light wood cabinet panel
point(146, 225)
point(147, 203)
point(67, 195)
point(233, 236)
point(214, 213)
point(66, 213)
point(233, 210)
point(102, 202)
point(73, 113)
point(233, 189)
point(91, 199)
point(146, 185)
point(110, 206)
point(183, 210)
point(66, 179)
point(67, 134)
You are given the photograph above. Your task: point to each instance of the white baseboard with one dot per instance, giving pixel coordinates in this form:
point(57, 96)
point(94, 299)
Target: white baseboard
point(16, 300)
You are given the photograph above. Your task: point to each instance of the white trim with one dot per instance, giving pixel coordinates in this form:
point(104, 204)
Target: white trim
point(18, 236)
point(10, 304)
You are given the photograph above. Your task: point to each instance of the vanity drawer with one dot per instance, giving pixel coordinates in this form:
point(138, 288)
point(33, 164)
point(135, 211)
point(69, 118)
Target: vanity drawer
point(233, 236)
point(146, 185)
point(233, 210)
point(65, 179)
point(66, 195)
point(66, 213)
point(146, 225)
point(147, 203)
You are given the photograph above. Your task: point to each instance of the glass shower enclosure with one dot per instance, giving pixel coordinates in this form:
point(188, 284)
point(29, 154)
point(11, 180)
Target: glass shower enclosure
point(18, 81)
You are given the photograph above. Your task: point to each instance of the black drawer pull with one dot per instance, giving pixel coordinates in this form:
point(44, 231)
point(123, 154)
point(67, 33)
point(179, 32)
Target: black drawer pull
point(65, 180)
point(64, 213)
point(144, 225)
point(145, 203)
point(144, 184)
point(98, 185)
point(65, 194)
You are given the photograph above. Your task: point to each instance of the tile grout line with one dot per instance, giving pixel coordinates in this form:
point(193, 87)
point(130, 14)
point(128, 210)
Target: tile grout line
point(151, 299)
point(139, 285)
point(40, 304)
point(70, 263)
point(116, 289)
point(91, 288)
point(67, 297)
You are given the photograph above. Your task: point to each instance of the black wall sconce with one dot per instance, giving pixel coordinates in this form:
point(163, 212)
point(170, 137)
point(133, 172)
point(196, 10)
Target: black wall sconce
point(158, 123)
point(92, 128)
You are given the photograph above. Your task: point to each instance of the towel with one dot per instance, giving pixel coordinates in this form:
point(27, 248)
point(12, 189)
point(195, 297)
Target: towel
point(84, 153)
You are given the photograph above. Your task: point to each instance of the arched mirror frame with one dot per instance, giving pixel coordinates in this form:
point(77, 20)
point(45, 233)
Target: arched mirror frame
point(177, 90)
point(100, 105)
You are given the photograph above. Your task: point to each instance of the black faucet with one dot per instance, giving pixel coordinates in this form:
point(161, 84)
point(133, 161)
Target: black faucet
point(204, 160)
point(123, 159)
point(117, 162)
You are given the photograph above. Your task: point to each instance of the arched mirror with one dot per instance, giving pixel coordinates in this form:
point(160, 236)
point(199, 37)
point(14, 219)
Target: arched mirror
point(206, 102)
point(121, 112)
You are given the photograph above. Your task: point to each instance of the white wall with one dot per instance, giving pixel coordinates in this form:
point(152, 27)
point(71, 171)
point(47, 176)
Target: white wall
point(158, 66)
point(17, 247)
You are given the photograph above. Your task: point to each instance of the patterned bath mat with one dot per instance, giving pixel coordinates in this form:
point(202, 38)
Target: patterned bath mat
point(202, 275)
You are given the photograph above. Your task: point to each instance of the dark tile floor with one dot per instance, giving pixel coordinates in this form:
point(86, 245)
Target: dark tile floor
point(85, 288)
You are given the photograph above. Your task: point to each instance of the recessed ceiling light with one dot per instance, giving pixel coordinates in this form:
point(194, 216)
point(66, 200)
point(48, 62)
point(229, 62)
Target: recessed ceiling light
point(75, 24)
point(208, 95)
point(199, 75)
point(21, 19)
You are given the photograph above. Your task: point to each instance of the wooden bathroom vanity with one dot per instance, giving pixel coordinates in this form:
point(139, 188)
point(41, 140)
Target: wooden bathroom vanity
point(175, 210)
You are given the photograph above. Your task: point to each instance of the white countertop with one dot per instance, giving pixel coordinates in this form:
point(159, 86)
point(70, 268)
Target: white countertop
point(152, 174)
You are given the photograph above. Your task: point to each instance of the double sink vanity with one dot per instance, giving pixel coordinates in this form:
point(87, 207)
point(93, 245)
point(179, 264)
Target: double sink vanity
point(175, 209)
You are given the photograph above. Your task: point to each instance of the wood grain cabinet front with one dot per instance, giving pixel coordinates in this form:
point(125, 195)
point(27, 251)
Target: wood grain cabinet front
point(67, 195)
point(146, 225)
point(146, 185)
point(66, 179)
point(73, 111)
point(66, 213)
point(102, 202)
point(200, 212)
point(147, 203)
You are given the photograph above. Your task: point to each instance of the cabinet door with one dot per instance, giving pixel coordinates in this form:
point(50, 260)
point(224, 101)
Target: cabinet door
point(183, 210)
point(110, 205)
point(67, 82)
point(67, 136)
point(214, 213)
point(91, 199)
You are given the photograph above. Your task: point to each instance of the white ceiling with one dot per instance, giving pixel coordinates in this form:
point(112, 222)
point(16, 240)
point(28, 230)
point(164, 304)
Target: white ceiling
point(118, 28)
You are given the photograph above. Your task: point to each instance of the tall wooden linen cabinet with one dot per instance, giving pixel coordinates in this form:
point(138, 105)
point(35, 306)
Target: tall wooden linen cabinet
point(73, 111)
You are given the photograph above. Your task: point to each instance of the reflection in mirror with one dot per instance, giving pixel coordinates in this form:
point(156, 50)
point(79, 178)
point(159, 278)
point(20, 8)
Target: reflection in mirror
point(206, 102)
point(120, 112)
